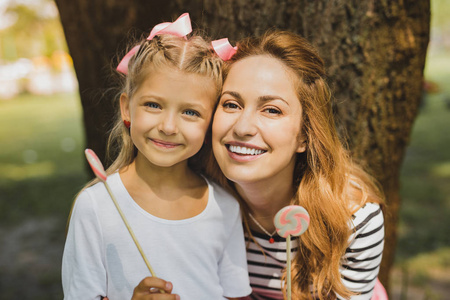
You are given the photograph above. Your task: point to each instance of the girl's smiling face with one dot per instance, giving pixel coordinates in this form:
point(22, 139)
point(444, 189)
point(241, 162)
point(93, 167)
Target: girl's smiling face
point(170, 114)
point(257, 124)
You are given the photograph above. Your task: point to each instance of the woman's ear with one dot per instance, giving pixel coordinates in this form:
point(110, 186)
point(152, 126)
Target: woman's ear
point(125, 107)
point(301, 147)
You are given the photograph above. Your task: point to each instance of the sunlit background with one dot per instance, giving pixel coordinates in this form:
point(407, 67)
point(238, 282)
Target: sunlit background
point(42, 165)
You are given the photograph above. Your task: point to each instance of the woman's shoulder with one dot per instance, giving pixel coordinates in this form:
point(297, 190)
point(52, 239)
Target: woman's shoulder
point(367, 218)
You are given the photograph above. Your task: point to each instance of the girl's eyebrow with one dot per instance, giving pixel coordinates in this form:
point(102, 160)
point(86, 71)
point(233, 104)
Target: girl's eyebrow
point(150, 96)
point(196, 106)
point(264, 98)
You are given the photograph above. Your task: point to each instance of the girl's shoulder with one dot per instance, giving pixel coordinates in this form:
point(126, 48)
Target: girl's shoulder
point(220, 195)
point(93, 195)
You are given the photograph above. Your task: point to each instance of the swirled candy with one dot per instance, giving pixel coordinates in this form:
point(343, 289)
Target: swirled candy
point(291, 220)
point(96, 164)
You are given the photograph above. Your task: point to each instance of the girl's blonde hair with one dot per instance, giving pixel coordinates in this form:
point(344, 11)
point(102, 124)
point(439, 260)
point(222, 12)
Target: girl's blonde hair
point(327, 183)
point(192, 55)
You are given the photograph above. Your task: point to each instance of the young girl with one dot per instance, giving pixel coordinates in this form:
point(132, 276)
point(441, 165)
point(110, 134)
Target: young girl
point(189, 228)
point(275, 140)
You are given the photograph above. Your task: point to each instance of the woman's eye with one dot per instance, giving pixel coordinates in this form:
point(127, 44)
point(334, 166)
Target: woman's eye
point(191, 113)
point(152, 105)
point(272, 110)
point(230, 105)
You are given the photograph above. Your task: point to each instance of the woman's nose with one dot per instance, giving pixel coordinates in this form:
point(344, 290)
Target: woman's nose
point(168, 124)
point(245, 124)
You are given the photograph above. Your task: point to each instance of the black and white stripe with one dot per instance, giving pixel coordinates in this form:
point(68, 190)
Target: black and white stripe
point(359, 266)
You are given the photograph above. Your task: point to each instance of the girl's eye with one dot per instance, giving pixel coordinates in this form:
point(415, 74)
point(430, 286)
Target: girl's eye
point(152, 105)
point(191, 113)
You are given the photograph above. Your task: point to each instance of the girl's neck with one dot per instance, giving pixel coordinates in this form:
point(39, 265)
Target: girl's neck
point(145, 180)
point(157, 177)
point(171, 193)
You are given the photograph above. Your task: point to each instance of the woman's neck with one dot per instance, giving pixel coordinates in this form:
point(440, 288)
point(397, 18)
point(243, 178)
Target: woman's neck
point(265, 199)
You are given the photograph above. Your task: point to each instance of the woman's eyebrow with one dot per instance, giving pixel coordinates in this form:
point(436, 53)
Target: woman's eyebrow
point(267, 98)
point(233, 94)
point(263, 99)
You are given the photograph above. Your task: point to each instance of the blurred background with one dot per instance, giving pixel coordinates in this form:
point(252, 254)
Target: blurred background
point(42, 164)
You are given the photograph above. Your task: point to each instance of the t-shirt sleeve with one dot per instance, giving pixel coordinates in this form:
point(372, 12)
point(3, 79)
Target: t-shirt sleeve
point(233, 270)
point(362, 259)
point(83, 269)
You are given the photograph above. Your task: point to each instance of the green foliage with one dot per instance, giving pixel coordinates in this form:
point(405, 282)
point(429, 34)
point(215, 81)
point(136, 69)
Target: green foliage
point(424, 240)
point(41, 159)
point(440, 12)
point(425, 214)
point(33, 34)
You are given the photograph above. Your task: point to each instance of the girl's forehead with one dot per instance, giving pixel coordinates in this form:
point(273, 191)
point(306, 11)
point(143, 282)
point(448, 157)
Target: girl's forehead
point(170, 83)
point(175, 74)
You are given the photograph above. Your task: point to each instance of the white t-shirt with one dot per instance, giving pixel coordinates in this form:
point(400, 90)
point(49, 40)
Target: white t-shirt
point(203, 256)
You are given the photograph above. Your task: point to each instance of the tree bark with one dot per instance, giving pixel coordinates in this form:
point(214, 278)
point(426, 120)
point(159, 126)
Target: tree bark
point(374, 50)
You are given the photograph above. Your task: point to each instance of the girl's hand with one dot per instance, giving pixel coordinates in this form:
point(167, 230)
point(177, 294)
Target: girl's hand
point(149, 289)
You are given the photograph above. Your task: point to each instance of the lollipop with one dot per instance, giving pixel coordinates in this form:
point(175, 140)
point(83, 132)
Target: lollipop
point(99, 171)
point(291, 220)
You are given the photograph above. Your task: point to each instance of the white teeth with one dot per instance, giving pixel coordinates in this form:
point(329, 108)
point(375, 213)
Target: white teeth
point(245, 150)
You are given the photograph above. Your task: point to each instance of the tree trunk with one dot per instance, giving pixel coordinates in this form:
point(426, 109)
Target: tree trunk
point(96, 32)
point(375, 53)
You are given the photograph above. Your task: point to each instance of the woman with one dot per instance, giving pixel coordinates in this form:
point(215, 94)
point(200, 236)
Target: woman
point(275, 141)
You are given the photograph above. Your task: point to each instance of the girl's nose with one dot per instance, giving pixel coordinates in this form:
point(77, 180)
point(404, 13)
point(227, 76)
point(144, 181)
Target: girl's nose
point(245, 124)
point(168, 124)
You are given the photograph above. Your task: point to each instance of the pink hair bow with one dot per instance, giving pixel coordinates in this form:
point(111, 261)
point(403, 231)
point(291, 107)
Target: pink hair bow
point(180, 27)
point(223, 48)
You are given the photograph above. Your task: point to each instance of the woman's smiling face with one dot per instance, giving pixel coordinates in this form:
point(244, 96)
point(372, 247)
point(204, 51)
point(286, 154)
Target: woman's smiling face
point(257, 125)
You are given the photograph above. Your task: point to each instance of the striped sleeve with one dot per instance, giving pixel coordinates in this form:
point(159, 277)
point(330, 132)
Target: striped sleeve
point(361, 262)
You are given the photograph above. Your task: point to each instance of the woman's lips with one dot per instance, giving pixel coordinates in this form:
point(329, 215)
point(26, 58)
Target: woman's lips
point(243, 150)
point(243, 153)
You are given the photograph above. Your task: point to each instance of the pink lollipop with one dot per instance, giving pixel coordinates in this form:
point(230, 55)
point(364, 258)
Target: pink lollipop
point(290, 220)
point(96, 164)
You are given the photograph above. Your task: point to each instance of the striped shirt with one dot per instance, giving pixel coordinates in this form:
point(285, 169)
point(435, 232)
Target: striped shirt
point(359, 266)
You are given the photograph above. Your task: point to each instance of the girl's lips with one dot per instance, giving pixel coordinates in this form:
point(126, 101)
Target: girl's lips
point(164, 144)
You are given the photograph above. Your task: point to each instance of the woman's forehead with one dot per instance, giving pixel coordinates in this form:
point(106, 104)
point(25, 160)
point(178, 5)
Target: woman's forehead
point(261, 73)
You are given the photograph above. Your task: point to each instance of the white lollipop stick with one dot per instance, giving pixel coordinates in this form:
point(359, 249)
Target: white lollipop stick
point(99, 171)
point(290, 220)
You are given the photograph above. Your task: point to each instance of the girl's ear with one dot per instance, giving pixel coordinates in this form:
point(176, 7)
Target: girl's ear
point(125, 107)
